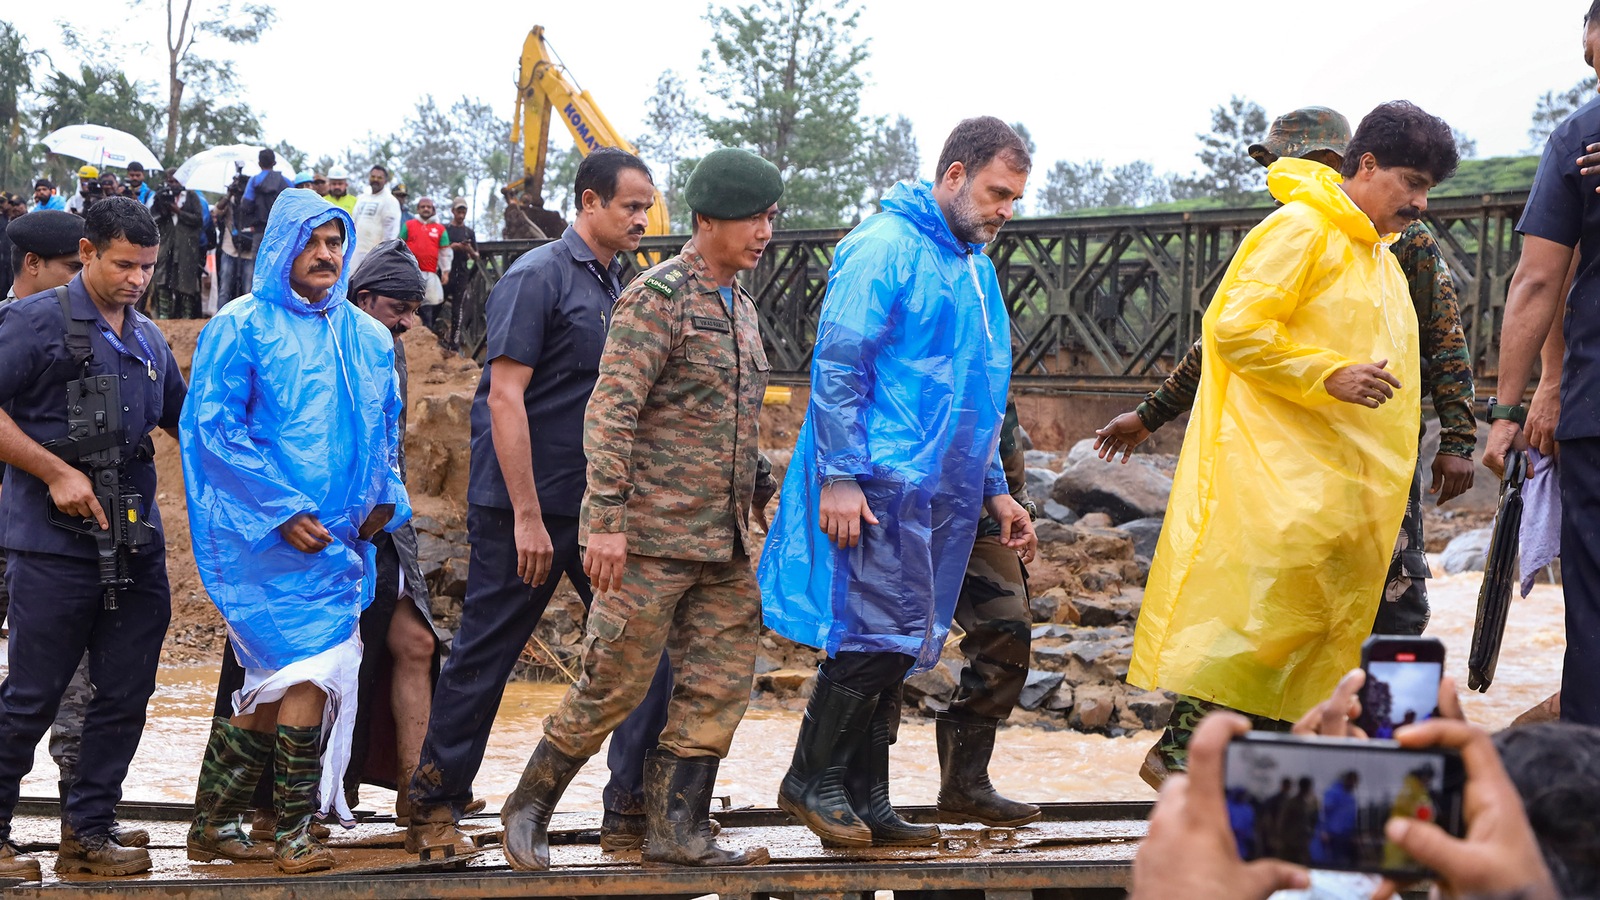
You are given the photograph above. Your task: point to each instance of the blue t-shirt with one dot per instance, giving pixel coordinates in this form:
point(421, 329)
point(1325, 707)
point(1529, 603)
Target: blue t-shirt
point(55, 202)
point(727, 297)
point(1563, 207)
point(549, 312)
point(32, 390)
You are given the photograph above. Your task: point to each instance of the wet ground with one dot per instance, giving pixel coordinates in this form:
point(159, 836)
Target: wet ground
point(1029, 763)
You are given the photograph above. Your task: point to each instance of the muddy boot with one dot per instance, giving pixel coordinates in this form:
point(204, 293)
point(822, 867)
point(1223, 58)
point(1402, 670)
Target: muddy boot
point(677, 802)
point(965, 794)
point(297, 768)
point(623, 828)
point(813, 791)
point(126, 835)
point(431, 833)
point(868, 781)
point(264, 827)
point(526, 813)
point(100, 854)
point(229, 770)
point(16, 864)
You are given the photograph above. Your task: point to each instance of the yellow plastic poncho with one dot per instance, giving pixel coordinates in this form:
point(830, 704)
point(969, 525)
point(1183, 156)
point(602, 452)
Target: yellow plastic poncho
point(1286, 501)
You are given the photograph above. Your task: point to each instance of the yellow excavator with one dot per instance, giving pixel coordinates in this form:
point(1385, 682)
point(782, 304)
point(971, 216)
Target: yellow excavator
point(544, 86)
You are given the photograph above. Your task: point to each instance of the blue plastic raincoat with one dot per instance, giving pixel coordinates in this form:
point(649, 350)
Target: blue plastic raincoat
point(293, 407)
point(908, 390)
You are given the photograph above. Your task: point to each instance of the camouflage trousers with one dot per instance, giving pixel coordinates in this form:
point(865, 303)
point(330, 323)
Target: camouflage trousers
point(1404, 607)
point(1186, 715)
point(993, 611)
point(170, 304)
point(706, 615)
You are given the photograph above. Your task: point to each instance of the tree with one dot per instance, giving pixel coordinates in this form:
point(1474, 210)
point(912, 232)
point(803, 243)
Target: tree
point(789, 74)
point(1137, 184)
point(673, 134)
point(1466, 147)
point(17, 64)
point(560, 171)
point(1069, 186)
point(187, 28)
point(1553, 108)
point(1027, 138)
point(891, 156)
point(1230, 173)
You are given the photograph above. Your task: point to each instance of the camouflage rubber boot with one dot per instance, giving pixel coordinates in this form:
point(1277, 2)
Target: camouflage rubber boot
point(229, 770)
point(965, 792)
point(16, 864)
point(867, 780)
point(1170, 754)
point(297, 766)
point(677, 802)
point(526, 813)
point(100, 854)
point(813, 790)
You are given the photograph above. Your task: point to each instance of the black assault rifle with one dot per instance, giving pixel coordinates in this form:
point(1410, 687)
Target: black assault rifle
point(94, 445)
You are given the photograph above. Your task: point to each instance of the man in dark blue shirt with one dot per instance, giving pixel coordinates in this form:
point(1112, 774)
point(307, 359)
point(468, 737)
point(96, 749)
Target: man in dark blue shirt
point(547, 326)
point(1562, 209)
point(59, 608)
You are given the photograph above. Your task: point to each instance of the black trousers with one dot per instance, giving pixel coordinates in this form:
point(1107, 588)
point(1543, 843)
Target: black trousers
point(1580, 576)
point(57, 613)
point(868, 674)
point(497, 618)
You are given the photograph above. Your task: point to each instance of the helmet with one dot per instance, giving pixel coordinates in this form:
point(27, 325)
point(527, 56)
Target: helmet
point(338, 173)
point(88, 172)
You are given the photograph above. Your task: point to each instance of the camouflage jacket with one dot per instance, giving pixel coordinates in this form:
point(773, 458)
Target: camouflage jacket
point(1446, 367)
point(1015, 463)
point(671, 429)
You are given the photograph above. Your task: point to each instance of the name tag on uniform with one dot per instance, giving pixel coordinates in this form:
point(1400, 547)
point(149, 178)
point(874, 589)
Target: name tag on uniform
point(706, 323)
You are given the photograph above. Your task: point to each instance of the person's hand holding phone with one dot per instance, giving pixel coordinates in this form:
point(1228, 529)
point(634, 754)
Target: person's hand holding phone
point(1499, 856)
point(1190, 851)
point(1337, 715)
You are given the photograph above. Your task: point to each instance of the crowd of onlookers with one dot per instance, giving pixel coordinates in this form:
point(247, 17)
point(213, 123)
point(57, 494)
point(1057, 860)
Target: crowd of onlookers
point(209, 243)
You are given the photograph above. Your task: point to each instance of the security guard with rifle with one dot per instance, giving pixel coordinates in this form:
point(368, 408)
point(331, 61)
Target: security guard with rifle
point(84, 380)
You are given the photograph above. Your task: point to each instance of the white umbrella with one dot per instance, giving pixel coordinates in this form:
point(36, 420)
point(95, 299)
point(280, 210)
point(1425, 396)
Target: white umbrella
point(98, 145)
point(213, 170)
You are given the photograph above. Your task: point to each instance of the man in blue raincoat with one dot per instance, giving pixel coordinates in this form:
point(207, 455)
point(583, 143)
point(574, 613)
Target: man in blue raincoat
point(895, 463)
point(289, 444)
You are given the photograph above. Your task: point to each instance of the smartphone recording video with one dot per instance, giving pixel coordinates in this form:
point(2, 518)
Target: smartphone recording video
point(1402, 682)
point(1323, 802)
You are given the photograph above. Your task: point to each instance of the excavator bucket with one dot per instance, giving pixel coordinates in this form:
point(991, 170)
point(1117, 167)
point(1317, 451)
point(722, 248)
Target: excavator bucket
point(1499, 576)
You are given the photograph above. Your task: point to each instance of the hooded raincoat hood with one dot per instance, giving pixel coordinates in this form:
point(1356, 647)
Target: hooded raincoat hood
point(908, 390)
point(1286, 501)
point(293, 408)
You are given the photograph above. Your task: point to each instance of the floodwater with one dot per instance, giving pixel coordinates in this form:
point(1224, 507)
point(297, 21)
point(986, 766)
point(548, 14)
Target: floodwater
point(1029, 763)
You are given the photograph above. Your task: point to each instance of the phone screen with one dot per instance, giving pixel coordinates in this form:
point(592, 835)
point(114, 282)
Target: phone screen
point(1323, 804)
point(1402, 683)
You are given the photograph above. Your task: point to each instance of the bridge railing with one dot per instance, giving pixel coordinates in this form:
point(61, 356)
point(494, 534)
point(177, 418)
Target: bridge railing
point(1103, 299)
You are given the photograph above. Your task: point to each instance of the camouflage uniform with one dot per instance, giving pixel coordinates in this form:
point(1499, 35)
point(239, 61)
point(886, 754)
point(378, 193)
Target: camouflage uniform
point(993, 606)
point(671, 436)
point(1447, 377)
point(66, 732)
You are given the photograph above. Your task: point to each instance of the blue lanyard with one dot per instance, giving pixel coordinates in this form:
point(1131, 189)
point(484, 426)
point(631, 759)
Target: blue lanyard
point(117, 345)
point(604, 278)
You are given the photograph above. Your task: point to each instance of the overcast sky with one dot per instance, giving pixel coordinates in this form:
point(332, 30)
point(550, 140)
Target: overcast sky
point(1117, 81)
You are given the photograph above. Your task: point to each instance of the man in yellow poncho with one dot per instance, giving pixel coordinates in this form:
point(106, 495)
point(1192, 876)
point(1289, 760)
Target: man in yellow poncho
point(1294, 474)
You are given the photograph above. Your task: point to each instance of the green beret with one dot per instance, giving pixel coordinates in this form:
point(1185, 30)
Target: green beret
point(47, 232)
point(732, 184)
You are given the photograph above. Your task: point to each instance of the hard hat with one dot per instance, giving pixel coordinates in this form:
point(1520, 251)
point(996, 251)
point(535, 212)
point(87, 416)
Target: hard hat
point(338, 173)
point(88, 172)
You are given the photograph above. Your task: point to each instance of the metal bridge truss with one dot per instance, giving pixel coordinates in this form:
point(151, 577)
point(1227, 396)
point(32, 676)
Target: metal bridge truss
point(1096, 302)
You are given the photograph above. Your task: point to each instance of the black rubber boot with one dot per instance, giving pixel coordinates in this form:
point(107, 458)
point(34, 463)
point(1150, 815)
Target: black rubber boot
point(813, 791)
point(965, 793)
point(677, 804)
point(868, 781)
point(526, 813)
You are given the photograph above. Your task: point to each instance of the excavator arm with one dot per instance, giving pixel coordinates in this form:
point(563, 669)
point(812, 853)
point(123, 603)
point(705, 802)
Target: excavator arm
point(544, 89)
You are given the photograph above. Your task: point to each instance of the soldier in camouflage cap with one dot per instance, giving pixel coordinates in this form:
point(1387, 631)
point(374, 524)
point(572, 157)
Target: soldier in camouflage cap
point(1311, 132)
point(671, 437)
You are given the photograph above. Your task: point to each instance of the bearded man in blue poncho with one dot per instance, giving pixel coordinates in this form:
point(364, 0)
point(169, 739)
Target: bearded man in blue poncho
point(289, 441)
point(895, 463)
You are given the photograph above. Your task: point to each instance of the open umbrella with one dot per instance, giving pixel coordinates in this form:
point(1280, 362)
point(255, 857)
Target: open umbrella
point(213, 170)
point(98, 145)
point(1499, 574)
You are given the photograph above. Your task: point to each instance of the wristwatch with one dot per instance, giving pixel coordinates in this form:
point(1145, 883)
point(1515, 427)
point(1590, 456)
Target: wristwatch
point(1498, 411)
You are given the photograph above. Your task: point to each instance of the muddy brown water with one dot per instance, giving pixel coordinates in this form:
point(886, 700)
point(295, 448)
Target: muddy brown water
point(1029, 763)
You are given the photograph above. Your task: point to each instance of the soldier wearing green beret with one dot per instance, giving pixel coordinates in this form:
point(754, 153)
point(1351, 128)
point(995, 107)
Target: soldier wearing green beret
point(671, 437)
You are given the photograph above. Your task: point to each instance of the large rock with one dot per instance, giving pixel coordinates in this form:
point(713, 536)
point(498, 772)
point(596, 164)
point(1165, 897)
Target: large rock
point(1145, 534)
point(1083, 451)
point(1092, 707)
point(1039, 481)
point(1468, 552)
point(1050, 531)
point(1057, 513)
point(936, 684)
point(1038, 688)
point(1042, 458)
point(1125, 493)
